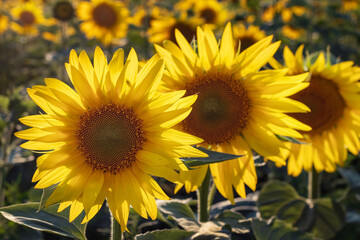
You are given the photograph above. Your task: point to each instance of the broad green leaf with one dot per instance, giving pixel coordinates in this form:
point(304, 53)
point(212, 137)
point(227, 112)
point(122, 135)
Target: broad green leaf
point(47, 220)
point(167, 234)
point(45, 195)
point(322, 217)
point(351, 176)
point(181, 213)
point(330, 218)
point(247, 204)
point(211, 230)
point(213, 157)
point(273, 196)
point(276, 230)
point(4, 103)
point(235, 221)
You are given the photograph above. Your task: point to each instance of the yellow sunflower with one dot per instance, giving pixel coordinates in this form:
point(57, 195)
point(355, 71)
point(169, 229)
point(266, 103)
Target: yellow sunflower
point(27, 17)
point(292, 32)
point(268, 14)
point(349, 5)
point(4, 21)
point(143, 16)
point(239, 108)
point(63, 10)
point(333, 97)
point(103, 19)
point(247, 35)
point(184, 5)
point(163, 27)
point(107, 137)
point(212, 12)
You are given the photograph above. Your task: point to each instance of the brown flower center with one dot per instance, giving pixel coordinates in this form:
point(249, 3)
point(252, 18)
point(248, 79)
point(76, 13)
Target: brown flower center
point(246, 42)
point(186, 30)
point(327, 105)
point(109, 137)
point(27, 18)
point(221, 110)
point(208, 14)
point(104, 15)
point(63, 10)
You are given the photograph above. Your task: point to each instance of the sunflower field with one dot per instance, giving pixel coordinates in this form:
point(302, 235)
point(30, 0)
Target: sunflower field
point(179, 119)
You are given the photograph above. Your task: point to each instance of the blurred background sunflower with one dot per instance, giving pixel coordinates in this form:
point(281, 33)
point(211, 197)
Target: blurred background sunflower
point(104, 20)
point(27, 17)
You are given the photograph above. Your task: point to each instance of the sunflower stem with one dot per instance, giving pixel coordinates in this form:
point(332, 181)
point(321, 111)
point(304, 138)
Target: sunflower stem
point(313, 184)
point(211, 195)
point(203, 193)
point(116, 233)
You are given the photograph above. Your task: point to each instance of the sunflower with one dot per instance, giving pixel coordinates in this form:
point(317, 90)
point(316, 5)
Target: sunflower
point(212, 12)
point(63, 10)
point(28, 17)
point(333, 97)
point(239, 108)
point(4, 20)
point(247, 36)
point(184, 5)
point(105, 139)
point(163, 27)
point(143, 16)
point(103, 19)
point(349, 5)
point(292, 32)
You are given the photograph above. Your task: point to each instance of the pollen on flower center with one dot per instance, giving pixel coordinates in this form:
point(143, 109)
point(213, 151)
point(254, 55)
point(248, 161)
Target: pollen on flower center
point(221, 109)
point(208, 14)
point(109, 137)
point(104, 15)
point(27, 18)
point(326, 104)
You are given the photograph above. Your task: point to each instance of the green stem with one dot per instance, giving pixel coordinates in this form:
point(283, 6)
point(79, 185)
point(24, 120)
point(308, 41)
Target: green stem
point(313, 184)
point(203, 193)
point(116, 233)
point(211, 195)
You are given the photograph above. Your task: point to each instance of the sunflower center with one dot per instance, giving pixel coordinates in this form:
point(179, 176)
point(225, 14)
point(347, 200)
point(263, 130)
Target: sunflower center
point(63, 10)
point(208, 14)
point(109, 137)
point(104, 15)
point(245, 42)
point(186, 30)
point(327, 105)
point(221, 110)
point(27, 18)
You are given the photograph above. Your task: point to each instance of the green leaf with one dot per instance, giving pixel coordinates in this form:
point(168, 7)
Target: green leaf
point(181, 213)
point(47, 220)
point(173, 234)
point(4, 103)
point(45, 195)
point(213, 157)
point(290, 139)
point(211, 230)
point(330, 217)
point(237, 222)
point(351, 176)
point(273, 196)
point(276, 229)
point(247, 204)
point(322, 217)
